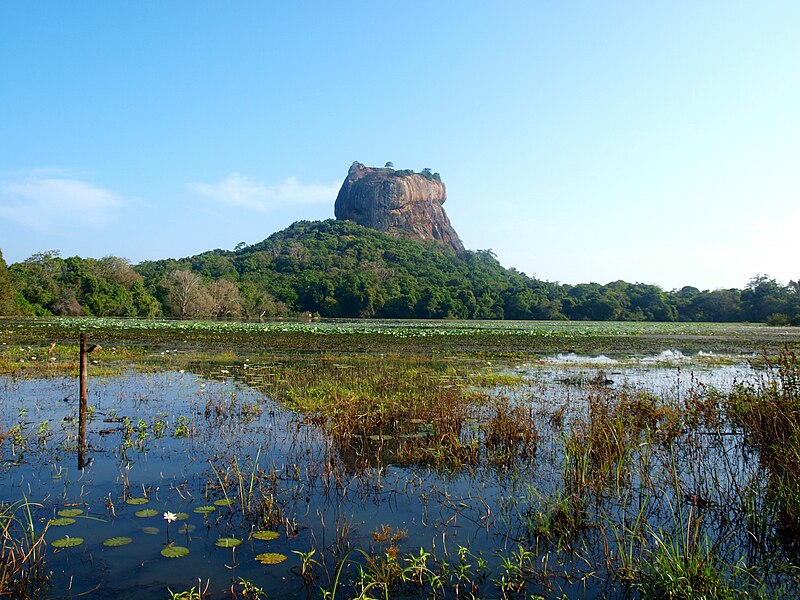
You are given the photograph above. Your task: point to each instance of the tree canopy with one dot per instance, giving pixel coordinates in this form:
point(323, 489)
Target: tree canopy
point(6, 290)
point(339, 269)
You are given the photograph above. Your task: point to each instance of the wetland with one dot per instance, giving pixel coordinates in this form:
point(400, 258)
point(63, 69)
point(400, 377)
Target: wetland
point(396, 459)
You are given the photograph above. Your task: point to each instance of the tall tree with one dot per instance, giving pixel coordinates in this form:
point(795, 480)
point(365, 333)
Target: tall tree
point(226, 298)
point(6, 289)
point(187, 296)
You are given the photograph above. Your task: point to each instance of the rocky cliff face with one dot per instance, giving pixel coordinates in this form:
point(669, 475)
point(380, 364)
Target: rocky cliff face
point(397, 202)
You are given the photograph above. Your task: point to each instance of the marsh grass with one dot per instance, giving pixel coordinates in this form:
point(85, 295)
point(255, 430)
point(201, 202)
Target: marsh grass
point(62, 358)
point(22, 550)
point(769, 412)
point(600, 490)
point(378, 409)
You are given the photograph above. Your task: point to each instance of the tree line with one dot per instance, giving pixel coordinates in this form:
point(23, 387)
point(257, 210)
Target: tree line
point(340, 269)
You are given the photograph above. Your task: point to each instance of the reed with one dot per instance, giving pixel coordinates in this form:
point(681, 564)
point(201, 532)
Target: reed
point(22, 550)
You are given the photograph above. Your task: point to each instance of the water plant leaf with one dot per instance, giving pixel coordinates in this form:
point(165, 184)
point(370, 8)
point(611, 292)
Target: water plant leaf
point(181, 516)
point(174, 551)
point(223, 502)
point(137, 501)
point(270, 558)
point(70, 512)
point(187, 528)
point(228, 542)
point(266, 535)
point(62, 521)
point(205, 509)
point(113, 542)
point(146, 512)
point(66, 542)
point(150, 530)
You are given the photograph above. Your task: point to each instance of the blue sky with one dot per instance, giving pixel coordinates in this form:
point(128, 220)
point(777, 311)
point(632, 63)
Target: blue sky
point(580, 141)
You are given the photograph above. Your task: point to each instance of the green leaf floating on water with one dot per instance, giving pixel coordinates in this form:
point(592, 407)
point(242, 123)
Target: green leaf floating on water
point(187, 528)
point(117, 541)
point(150, 530)
point(61, 521)
point(174, 551)
point(228, 542)
point(205, 509)
point(266, 535)
point(66, 542)
point(137, 501)
point(271, 558)
point(181, 516)
point(70, 512)
point(146, 512)
point(223, 502)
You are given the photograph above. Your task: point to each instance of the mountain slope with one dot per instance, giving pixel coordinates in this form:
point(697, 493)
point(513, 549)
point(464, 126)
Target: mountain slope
point(341, 269)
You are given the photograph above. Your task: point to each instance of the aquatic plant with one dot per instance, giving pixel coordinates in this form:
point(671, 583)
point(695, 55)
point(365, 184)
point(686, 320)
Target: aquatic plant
point(271, 558)
point(67, 542)
point(769, 411)
point(173, 551)
point(22, 548)
point(115, 542)
point(193, 593)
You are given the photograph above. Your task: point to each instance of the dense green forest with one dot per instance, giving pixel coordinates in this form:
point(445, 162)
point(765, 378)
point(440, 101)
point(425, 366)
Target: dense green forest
point(340, 269)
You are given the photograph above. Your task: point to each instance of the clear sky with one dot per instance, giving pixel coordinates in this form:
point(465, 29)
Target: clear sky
point(654, 142)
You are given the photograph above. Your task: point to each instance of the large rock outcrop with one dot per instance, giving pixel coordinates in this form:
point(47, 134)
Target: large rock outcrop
point(400, 203)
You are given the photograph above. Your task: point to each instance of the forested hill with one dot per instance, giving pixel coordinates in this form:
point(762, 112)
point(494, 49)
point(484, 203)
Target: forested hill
point(340, 269)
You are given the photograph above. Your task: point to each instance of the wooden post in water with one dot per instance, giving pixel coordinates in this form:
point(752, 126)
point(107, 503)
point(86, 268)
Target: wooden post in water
point(84, 396)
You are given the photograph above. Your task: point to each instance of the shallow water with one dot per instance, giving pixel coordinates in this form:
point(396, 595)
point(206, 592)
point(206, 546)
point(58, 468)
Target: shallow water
point(185, 433)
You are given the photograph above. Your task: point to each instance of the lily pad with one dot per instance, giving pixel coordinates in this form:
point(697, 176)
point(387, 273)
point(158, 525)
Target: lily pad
point(223, 502)
point(181, 516)
point(137, 501)
point(205, 509)
point(228, 542)
point(270, 558)
point(150, 530)
point(187, 528)
point(266, 535)
point(70, 512)
point(174, 551)
point(146, 512)
point(66, 542)
point(117, 541)
point(62, 521)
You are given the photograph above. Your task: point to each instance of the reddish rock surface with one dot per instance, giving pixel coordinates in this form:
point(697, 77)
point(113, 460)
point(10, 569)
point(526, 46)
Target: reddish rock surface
point(400, 203)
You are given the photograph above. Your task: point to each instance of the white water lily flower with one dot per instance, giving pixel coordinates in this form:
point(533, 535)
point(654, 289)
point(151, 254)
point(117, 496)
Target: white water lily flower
point(169, 517)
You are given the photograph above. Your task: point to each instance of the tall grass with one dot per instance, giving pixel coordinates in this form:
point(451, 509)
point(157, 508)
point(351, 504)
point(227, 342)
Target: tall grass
point(22, 550)
point(769, 412)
